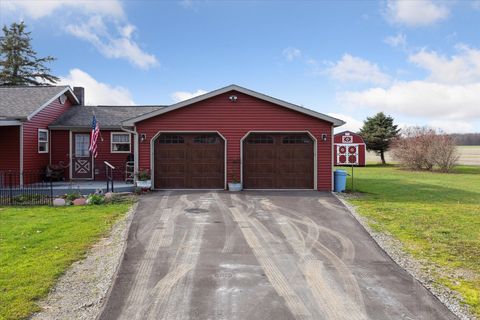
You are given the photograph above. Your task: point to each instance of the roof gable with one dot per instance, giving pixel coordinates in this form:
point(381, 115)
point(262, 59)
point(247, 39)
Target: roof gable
point(336, 122)
point(25, 102)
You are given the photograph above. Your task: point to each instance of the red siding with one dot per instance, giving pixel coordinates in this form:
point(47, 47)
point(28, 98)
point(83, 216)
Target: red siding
point(60, 149)
point(118, 160)
point(32, 160)
point(10, 148)
point(60, 152)
point(233, 121)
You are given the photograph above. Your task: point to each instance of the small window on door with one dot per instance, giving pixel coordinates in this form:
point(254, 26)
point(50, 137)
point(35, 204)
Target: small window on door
point(296, 139)
point(171, 139)
point(120, 142)
point(205, 139)
point(42, 141)
point(260, 139)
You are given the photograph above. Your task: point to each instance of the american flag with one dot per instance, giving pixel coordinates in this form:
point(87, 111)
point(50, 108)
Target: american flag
point(94, 137)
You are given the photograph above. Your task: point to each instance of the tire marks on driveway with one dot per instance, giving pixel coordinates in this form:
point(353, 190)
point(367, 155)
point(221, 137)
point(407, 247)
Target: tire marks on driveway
point(258, 255)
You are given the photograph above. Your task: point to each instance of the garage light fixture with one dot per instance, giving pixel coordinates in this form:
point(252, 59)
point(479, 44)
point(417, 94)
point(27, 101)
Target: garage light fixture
point(143, 137)
point(324, 137)
point(233, 98)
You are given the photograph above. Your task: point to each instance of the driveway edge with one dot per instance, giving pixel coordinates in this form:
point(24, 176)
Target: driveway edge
point(394, 249)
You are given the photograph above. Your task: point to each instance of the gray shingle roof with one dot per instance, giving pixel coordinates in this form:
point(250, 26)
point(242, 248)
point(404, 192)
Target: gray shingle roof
point(107, 116)
point(20, 102)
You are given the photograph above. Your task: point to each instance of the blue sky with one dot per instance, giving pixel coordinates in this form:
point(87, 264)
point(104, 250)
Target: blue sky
point(418, 61)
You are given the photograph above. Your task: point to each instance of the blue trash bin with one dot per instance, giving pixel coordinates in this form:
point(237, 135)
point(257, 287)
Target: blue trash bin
point(340, 180)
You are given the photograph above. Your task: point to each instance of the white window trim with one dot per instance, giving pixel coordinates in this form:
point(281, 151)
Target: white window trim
point(47, 142)
point(129, 142)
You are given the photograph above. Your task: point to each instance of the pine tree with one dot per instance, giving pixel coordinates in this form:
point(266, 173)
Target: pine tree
point(378, 132)
point(19, 65)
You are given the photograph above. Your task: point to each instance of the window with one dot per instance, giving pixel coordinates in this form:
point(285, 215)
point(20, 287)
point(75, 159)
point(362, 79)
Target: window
point(171, 139)
point(120, 142)
point(296, 139)
point(205, 139)
point(42, 141)
point(260, 139)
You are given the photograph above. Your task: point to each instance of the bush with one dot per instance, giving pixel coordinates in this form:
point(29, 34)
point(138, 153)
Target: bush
point(424, 148)
point(96, 199)
point(72, 196)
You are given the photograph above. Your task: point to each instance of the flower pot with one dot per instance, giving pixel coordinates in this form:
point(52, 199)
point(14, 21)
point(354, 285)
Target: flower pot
point(234, 186)
point(144, 184)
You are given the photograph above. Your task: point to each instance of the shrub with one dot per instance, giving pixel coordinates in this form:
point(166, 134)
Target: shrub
point(72, 196)
point(424, 148)
point(96, 199)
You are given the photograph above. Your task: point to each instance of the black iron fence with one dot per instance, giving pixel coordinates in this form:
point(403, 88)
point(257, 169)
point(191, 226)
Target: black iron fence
point(25, 188)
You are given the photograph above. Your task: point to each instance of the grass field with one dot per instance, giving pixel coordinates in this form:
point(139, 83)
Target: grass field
point(38, 244)
point(469, 155)
point(436, 216)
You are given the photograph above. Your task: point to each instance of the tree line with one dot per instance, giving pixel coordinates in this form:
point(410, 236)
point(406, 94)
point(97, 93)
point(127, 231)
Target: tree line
point(466, 139)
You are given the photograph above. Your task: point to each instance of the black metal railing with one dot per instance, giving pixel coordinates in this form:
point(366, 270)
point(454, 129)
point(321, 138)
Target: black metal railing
point(25, 188)
point(109, 173)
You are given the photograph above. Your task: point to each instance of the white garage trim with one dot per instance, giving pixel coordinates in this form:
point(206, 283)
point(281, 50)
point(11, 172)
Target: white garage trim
point(315, 165)
point(152, 152)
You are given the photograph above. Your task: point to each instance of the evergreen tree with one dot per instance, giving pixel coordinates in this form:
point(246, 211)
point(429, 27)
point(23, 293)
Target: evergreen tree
point(378, 132)
point(19, 65)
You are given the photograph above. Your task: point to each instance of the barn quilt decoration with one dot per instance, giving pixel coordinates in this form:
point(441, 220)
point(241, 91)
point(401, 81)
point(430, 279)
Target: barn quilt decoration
point(349, 149)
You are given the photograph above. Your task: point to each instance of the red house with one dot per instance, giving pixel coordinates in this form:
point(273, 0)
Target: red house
point(228, 134)
point(350, 149)
point(25, 114)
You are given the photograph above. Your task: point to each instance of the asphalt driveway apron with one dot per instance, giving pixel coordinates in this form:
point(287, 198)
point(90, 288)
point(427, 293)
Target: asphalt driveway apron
point(259, 255)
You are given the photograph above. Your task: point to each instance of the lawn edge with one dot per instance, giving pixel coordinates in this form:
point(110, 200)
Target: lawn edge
point(394, 249)
point(52, 301)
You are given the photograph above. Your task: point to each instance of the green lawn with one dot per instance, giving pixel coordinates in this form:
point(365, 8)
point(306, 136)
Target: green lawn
point(38, 244)
point(436, 216)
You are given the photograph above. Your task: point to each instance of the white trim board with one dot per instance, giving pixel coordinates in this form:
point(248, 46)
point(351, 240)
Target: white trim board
point(152, 153)
point(315, 155)
point(336, 122)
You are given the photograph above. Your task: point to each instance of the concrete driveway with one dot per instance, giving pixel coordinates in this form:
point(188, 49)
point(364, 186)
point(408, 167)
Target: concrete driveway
point(259, 255)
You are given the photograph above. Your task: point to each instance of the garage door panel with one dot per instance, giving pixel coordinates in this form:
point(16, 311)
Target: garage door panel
point(278, 161)
point(189, 161)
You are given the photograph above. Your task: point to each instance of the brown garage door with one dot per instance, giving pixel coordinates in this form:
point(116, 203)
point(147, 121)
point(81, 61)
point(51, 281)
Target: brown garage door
point(190, 161)
point(278, 161)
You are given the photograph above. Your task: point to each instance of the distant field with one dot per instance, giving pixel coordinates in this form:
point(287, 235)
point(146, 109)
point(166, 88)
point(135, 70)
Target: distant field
point(469, 155)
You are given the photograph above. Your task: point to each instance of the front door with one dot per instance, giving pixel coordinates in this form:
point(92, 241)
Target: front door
point(82, 164)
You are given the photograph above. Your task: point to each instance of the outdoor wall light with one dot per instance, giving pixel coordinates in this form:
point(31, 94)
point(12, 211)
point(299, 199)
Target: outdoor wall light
point(143, 137)
point(233, 98)
point(324, 137)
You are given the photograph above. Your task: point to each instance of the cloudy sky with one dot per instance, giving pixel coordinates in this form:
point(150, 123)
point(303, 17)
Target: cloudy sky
point(418, 61)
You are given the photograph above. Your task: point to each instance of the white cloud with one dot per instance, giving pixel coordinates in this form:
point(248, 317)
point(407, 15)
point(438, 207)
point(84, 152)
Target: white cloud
point(398, 41)
point(185, 95)
point(36, 9)
point(421, 98)
point(415, 12)
point(291, 53)
point(351, 124)
point(356, 69)
point(458, 69)
point(97, 93)
point(120, 46)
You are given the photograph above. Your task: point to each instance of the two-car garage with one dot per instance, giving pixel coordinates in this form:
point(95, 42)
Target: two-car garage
point(232, 134)
point(269, 161)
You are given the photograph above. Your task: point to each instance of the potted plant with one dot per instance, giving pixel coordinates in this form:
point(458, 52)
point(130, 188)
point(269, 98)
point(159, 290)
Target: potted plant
point(235, 184)
point(143, 179)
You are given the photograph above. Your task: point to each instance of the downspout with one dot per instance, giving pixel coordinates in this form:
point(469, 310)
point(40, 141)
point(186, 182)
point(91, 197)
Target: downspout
point(21, 155)
point(135, 149)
